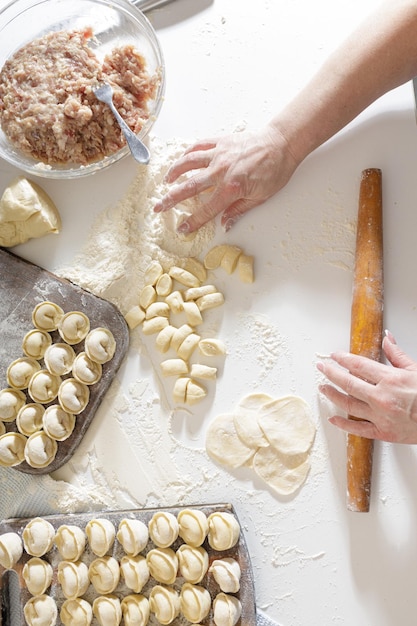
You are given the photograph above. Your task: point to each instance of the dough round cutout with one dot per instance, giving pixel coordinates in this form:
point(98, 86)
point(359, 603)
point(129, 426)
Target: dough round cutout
point(246, 420)
point(224, 445)
point(287, 424)
point(284, 474)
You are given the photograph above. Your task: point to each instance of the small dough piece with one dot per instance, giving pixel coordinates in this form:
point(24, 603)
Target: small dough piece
point(153, 272)
point(135, 609)
point(224, 530)
point(195, 602)
point(193, 562)
point(154, 325)
point(73, 578)
point(198, 370)
point(179, 392)
point(37, 574)
point(76, 612)
point(135, 572)
point(74, 326)
point(246, 419)
point(196, 267)
point(188, 346)
point(59, 358)
point(210, 301)
point(194, 392)
point(100, 345)
point(47, 315)
point(12, 449)
point(70, 541)
point(11, 549)
point(163, 529)
point(180, 335)
point(157, 309)
point(107, 610)
point(11, 401)
point(163, 285)
point(198, 292)
point(135, 316)
point(26, 212)
point(101, 534)
point(85, 370)
point(245, 268)
point(44, 386)
point(287, 425)
point(38, 536)
point(230, 258)
point(163, 565)
point(164, 337)
point(224, 445)
point(40, 449)
point(183, 276)
point(193, 526)
point(285, 474)
point(20, 371)
point(226, 572)
point(57, 423)
point(41, 611)
point(175, 301)
point(212, 347)
point(164, 603)
point(3, 428)
point(73, 396)
point(147, 296)
point(29, 418)
point(104, 574)
point(35, 343)
point(214, 257)
point(192, 313)
point(227, 610)
point(174, 367)
point(133, 535)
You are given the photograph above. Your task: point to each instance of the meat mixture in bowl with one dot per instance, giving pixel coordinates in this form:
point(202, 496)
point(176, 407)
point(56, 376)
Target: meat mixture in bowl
point(48, 109)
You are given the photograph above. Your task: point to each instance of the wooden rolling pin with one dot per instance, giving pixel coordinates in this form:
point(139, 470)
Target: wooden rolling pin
point(366, 323)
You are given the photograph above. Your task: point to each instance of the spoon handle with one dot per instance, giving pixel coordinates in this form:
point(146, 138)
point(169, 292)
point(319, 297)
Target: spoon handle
point(138, 149)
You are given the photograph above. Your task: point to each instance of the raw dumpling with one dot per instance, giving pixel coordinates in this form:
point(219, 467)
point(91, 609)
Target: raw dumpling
point(133, 536)
point(100, 345)
point(70, 541)
point(74, 327)
point(107, 610)
point(163, 529)
point(73, 578)
point(59, 358)
point(11, 401)
point(38, 536)
point(226, 610)
point(73, 396)
point(11, 549)
point(104, 574)
point(29, 418)
point(226, 572)
point(35, 343)
point(57, 423)
point(85, 370)
point(12, 449)
point(40, 449)
point(135, 572)
point(193, 562)
point(164, 602)
point(163, 565)
point(224, 530)
point(193, 526)
point(20, 371)
point(76, 612)
point(41, 611)
point(37, 575)
point(44, 386)
point(135, 609)
point(47, 315)
point(100, 534)
point(195, 602)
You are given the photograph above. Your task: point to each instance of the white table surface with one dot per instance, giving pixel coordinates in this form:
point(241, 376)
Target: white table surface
point(232, 63)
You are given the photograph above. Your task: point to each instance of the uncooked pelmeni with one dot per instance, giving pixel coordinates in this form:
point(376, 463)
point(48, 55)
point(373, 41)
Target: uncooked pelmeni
point(59, 358)
point(85, 370)
point(163, 529)
point(47, 315)
point(11, 549)
point(12, 449)
point(76, 612)
point(37, 574)
point(38, 536)
point(101, 534)
point(246, 422)
point(20, 371)
point(35, 343)
point(163, 565)
point(133, 535)
point(73, 396)
point(3, 428)
point(195, 602)
point(11, 401)
point(70, 541)
point(224, 445)
point(100, 345)
point(57, 423)
point(74, 327)
point(29, 418)
point(164, 603)
point(40, 450)
point(193, 562)
point(226, 572)
point(226, 610)
point(135, 609)
point(43, 386)
point(73, 578)
point(287, 425)
point(104, 574)
point(135, 572)
point(283, 473)
point(224, 530)
point(41, 611)
point(193, 526)
point(107, 610)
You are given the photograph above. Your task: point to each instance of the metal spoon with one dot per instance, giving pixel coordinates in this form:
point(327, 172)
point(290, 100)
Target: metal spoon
point(140, 152)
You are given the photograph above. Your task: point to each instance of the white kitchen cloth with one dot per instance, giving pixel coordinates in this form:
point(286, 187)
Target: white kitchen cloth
point(264, 620)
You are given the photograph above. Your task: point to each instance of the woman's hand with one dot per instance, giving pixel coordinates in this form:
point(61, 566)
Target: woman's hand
point(383, 395)
point(239, 171)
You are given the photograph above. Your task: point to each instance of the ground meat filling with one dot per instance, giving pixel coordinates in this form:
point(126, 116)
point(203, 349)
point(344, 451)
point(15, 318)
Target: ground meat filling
point(48, 109)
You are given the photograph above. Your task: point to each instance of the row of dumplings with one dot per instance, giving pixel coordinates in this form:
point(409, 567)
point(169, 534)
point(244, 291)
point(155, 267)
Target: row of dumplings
point(50, 416)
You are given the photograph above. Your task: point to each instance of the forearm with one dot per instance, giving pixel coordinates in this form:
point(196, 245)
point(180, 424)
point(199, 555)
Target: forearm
point(379, 56)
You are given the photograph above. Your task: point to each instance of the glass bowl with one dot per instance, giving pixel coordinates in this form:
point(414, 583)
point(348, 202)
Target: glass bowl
point(114, 23)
